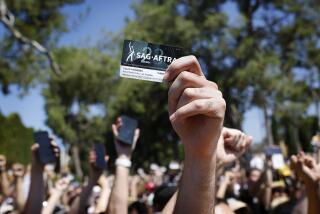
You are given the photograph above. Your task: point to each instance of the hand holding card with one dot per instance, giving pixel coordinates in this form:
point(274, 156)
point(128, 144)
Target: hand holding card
point(196, 107)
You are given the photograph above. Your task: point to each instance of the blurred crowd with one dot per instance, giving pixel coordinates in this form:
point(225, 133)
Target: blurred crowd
point(220, 174)
point(259, 183)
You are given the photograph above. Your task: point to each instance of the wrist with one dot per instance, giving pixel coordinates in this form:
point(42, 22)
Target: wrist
point(200, 149)
point(93, 178)
point(56, 191)
point(204, 155)
point(313, 187)
point(36, 167)
point(123, 161)
point(198, 162)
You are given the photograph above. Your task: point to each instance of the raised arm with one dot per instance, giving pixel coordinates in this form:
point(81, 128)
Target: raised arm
point(196, 110)
point(308, 171)
point(231, 145)
point(224, 185)
point(80, 204)
point(18, 172)
point(4, 181)
point(104, 195)
point(118, 202)
point(36, 190)
point(60, 187)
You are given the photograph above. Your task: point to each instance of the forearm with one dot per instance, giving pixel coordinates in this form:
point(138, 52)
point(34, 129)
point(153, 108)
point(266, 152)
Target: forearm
point(74, 207)
point(103, 199)
point(118, 202)
point(133, 192)
point(222, 190)
point(268, 189)
point(313, 199)
point(84, 196)
point(79, 204)
point(197, 188)
point(36, 192)
point(20, 198)
point(5, 184)
point(168, 209)
point(53, 200)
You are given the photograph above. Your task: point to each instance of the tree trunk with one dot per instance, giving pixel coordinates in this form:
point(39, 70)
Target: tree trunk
point(267, 121)
point(296, 138)
point(76, 160)
point(318, 112)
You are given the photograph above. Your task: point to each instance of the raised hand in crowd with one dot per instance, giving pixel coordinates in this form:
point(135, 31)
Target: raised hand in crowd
point(60, 188)
point(81, 203)
point(4, 180)
point(308, 171)
point(18, 194)
point(118, 202)
point(196, 109)
point(37, 189)
point(102, 202)
point(231, 145)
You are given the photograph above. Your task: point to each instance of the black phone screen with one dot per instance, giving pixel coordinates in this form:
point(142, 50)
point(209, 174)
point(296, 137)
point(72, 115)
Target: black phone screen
point(100, 156)
point(45, 152)
point(126, 131)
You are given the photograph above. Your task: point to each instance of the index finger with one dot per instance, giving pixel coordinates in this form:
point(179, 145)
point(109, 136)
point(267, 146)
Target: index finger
point(186, 63)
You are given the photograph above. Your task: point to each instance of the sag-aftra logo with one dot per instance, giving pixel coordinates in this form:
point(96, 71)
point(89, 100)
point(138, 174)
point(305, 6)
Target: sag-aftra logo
point(147, 54)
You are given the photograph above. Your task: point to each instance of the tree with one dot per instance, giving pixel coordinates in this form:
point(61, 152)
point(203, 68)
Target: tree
point(255, 60)
point(85, 81)
point(15, 139)
point(33, 27)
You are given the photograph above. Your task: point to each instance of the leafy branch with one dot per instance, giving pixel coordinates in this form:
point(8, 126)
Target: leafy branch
point(8, 19)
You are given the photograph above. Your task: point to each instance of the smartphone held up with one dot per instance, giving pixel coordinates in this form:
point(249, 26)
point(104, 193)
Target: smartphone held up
point(127, 129)
point(45, 152)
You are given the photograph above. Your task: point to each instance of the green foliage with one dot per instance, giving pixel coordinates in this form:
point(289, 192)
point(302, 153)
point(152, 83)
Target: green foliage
point(15, 139)
point(254, 61)
point(86, 80)
point(262, 59)
point(38, 20)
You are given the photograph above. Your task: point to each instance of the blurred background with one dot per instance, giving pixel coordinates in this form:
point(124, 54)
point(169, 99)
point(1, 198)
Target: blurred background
point(59, 63)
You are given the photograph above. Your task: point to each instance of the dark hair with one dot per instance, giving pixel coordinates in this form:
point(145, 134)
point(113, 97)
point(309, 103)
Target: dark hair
point(140, 207)
point(162, 195)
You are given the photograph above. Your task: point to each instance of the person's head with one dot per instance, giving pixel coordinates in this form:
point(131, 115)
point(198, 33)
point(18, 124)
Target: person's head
point(2, 161)
point(18, 169)
point(138, 208)
point(254, 175)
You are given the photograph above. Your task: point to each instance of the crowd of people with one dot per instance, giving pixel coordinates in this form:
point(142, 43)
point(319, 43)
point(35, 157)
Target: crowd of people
point(217, 175)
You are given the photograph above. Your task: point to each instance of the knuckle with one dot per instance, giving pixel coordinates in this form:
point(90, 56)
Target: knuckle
point(219, 93)
point(198, 104)
point(214, 85)
point(188, 93)
point(221, 108)
point(184, 76)
point(173, 65)
point(193, 59)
